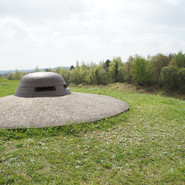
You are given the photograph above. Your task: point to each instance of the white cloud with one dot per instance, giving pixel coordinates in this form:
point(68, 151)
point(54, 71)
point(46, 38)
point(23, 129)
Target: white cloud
point(172, 2)
point(54, 33)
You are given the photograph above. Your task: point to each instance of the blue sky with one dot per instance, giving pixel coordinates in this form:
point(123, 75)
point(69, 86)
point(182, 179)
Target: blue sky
point(50, 33)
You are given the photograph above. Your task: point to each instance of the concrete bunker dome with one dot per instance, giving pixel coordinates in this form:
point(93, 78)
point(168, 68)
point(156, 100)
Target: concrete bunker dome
point(42, 99)
point(42, 84)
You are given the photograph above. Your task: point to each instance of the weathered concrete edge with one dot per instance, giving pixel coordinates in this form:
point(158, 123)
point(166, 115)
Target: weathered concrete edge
point(127, 108)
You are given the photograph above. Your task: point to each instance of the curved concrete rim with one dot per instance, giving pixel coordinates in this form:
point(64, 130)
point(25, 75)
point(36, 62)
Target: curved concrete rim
point(17, 112)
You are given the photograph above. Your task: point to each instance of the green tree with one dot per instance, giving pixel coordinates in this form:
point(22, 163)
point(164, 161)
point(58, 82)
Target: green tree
point(121, 73)
point(169, 77)
point(140, 71)
point(178, 60)
point(83, 73)
point(114, 68)
point(11, 76)
point(181, 79)
point(106, 64)
point(77, 64)
point(48, 69)
point(96, 74)
point(157, 63)
point(72, 67)
point(36, 69)
point(100, 75)
point(127, 69)
point(18, 75)
point(75, 76)
point(64, 73)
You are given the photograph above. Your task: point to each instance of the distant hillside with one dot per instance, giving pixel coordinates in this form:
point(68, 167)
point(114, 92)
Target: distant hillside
point(4, 72)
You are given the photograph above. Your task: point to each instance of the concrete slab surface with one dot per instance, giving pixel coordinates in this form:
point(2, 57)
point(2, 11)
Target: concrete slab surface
point(18, 112)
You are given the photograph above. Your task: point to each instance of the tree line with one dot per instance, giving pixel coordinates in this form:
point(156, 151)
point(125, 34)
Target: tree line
point(161, 70)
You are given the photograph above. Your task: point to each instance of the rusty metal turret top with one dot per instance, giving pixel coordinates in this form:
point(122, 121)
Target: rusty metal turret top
point(42, 84)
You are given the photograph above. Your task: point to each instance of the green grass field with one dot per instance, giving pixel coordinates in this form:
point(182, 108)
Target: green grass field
point(145, 145)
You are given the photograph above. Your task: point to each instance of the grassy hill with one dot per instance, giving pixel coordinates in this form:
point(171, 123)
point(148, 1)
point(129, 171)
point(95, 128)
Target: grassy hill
point(145, 145)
